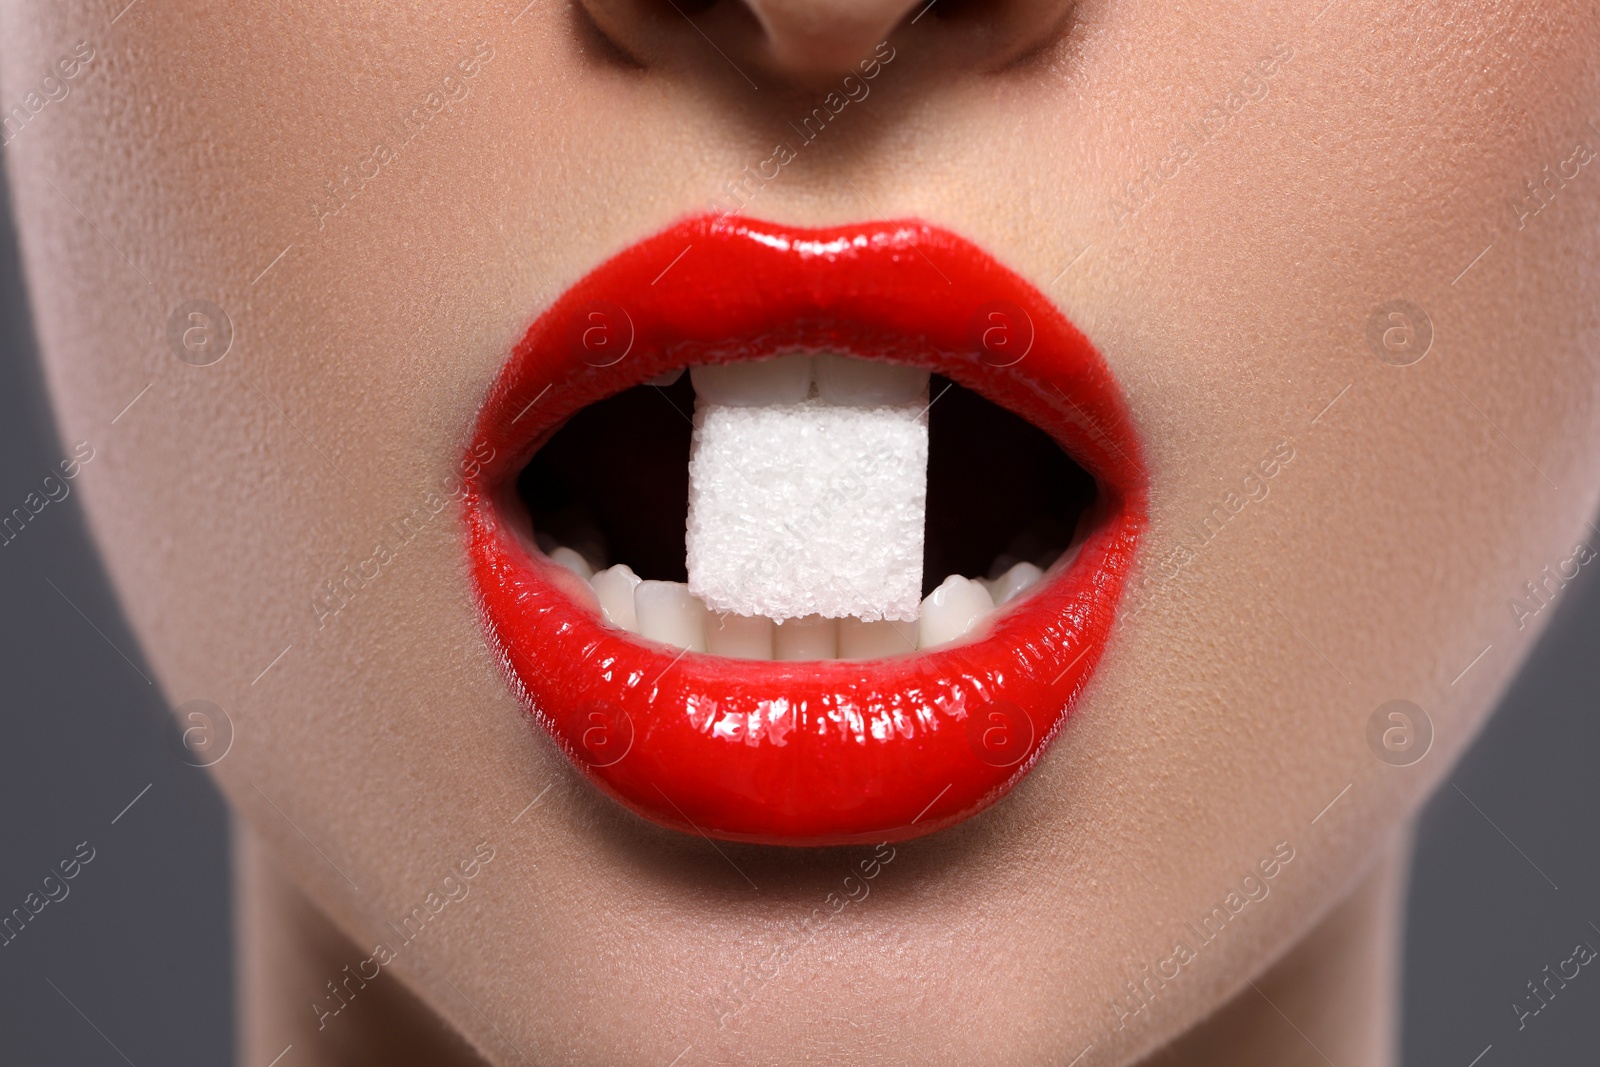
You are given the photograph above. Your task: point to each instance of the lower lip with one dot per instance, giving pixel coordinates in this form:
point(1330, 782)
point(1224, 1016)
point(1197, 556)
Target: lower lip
point(812, 753)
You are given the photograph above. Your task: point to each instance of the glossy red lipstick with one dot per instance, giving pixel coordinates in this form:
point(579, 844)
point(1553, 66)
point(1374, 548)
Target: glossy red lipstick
point(821, 752)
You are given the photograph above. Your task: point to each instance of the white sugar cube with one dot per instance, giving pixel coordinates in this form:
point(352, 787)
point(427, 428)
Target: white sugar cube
point(808, 508)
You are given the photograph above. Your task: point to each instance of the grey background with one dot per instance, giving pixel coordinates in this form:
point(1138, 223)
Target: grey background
point(134, 964)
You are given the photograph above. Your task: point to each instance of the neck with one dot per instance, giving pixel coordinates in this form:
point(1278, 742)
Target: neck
point(289, 951)
point(1331, 999)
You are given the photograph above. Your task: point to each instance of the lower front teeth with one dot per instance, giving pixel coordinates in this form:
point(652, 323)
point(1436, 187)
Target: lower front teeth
point(574, 562)
point(1013, 582)
point(667, 612)
point(951, 611)
point(739, 636)
point(809, 637)
point(859, 639)
point(615, 587)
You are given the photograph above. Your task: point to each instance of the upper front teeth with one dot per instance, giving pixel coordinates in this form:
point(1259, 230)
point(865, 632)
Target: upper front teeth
point(861, 383)
point(788, 380)
point(784, 380)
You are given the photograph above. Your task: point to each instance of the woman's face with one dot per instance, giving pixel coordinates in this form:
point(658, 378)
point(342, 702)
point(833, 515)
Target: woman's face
point(1351, 243)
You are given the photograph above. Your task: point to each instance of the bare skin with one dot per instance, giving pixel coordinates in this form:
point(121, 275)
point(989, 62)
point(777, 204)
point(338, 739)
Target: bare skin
point(1230, 240)
point(1332, 997)
point(288, 946)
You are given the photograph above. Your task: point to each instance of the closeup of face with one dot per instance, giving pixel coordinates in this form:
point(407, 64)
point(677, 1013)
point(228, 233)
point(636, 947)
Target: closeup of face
point(1310, 292)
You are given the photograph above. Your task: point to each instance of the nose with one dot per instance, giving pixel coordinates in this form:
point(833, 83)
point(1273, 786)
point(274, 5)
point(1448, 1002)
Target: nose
point(808, 41)
point(825, 37)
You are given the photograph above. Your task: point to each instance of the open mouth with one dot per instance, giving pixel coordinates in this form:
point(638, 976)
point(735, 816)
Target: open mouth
point(802, 536)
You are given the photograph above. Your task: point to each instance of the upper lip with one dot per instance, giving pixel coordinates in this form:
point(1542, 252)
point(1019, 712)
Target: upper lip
point(812, 753)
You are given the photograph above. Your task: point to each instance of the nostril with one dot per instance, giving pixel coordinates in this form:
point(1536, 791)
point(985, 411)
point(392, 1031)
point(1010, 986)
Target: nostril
point(951, 10)
point(688, 7)
point(806, 42)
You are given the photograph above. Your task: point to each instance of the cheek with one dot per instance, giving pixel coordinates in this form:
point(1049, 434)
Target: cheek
point(1233, 296)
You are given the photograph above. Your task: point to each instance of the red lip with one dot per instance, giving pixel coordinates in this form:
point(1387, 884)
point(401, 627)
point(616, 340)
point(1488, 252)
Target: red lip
point(820, 752)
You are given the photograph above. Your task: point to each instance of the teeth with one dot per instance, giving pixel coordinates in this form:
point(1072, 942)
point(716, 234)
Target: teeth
point(952, 610)
point(663, 380)
point(811, 637)
point(875, 640)
point(739, 636)
point(1002, 563)
point(863, 383)
point(784, 380)
point(573, 561)
point(787, 380)
point(1014, 582)
point(803, 502)
point(667, 613)
point(614, 586)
